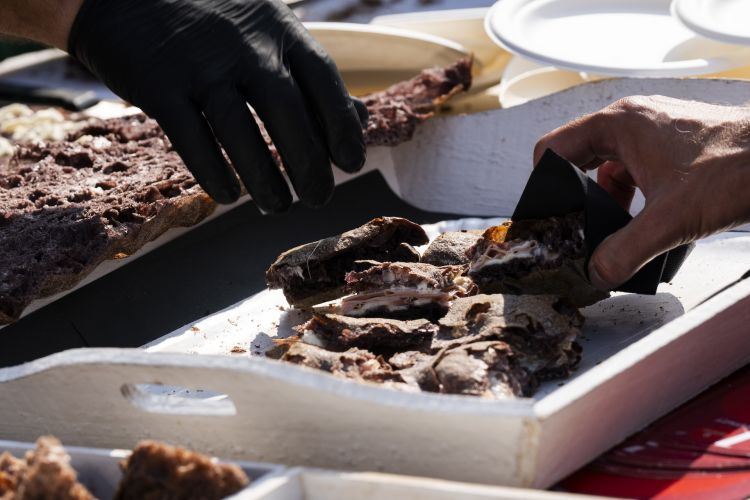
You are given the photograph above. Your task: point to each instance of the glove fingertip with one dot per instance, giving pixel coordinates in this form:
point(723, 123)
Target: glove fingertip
point(224, 194)
point(318, 193)
point(351, 156)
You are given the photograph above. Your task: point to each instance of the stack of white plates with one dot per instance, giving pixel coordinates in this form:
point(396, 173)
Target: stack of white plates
point(562, 43)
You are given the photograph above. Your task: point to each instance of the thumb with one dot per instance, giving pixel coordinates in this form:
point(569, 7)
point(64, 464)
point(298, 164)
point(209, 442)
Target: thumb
point(624, 252)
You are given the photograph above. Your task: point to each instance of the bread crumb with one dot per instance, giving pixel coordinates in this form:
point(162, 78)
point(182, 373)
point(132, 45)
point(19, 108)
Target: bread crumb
point(238, 350)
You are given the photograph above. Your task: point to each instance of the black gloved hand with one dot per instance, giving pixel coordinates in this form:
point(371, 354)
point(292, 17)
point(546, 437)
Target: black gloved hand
point(193, 64)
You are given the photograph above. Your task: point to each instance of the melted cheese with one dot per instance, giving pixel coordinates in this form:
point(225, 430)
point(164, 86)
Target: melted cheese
point(392, 300)
point(19, 123)
point(525, 250)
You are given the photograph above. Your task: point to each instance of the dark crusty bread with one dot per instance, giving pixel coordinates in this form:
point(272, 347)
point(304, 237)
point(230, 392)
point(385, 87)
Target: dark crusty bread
point(545, 256)
point(313, 273)
point(450, 248)
point(339, 333)
point(67, 206)
point(396, 111)
point(159, 471)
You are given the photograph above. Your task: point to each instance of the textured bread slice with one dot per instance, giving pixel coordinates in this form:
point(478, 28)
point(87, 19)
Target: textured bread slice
point(315, 272)
point(67, 206)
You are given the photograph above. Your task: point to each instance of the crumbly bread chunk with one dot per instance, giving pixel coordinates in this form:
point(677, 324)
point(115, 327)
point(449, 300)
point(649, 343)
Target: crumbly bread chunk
point(354, 363)
point(491, 346)
point(44, 473)
point(450, 248)
point(11, 469)
point(396, 112)
point(157, 471)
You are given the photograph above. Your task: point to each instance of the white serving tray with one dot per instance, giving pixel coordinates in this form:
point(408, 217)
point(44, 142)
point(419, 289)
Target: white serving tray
point(642, 357)
point(99, 469)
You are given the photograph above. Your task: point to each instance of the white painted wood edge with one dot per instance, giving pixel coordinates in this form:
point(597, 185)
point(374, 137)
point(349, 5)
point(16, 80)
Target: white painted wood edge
point(303, 483)
point(236, 373)
point(637, 352)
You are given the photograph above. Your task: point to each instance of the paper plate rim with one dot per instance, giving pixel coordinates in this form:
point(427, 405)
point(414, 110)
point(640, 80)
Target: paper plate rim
point(686, 11)
point(688, 67)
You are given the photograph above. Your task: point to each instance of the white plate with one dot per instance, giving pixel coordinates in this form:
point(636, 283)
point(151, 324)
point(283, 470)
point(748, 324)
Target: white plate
point(722, 20)
point(464, 26)
point(637, 38)
point(524, 80)
point(371, 58)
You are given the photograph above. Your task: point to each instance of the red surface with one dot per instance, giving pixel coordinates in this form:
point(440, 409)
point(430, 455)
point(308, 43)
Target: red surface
point(699, 451)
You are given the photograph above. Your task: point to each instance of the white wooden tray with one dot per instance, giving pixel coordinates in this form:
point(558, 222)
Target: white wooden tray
point(252, 408)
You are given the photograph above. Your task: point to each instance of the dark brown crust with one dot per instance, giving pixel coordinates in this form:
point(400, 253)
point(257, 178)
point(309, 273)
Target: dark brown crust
point(340, 333)
point(155, 470)
point(492, 346)
point(555, 265)
point(354, 363)
point(450, 248)
point(485, 368)
point(396, 112)
point(314, 272)
point(66, 207)
point(541, 329)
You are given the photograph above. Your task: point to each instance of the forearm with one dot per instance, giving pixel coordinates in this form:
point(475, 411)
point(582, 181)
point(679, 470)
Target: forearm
point(45, 21)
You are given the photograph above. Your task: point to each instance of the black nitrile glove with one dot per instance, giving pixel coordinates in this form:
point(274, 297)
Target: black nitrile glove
point(194, 64)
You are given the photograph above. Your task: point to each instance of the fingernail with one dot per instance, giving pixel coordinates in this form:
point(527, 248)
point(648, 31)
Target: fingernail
point(597, 280)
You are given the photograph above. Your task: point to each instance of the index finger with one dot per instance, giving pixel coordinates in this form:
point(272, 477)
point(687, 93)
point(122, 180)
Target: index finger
point(586, 141)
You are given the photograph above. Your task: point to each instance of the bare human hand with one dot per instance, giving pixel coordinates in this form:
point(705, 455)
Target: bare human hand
point(690, 159)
